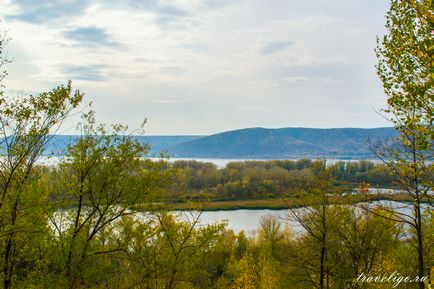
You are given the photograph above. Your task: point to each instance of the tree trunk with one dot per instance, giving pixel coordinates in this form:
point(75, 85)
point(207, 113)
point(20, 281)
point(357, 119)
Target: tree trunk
point(7, 282)
point(421, 268)
point(321, 273)
point(8, 265)
point(69, 273)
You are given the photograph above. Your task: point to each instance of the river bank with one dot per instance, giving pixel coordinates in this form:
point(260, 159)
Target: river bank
point(283, 203)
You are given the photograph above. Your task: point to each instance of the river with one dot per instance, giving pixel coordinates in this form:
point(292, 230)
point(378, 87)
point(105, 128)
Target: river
point(249, 220)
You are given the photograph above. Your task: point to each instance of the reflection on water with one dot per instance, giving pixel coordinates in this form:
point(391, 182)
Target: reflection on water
point(249, 220)
point(237, 220)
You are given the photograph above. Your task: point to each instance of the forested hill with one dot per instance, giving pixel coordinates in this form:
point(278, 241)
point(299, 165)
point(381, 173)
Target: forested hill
point(58, 143)
point(285, 143)
point(349, 143)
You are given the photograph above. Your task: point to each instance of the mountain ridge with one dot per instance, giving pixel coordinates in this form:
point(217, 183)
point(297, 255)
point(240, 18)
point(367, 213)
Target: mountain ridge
point(259, 142)
point(285, 143)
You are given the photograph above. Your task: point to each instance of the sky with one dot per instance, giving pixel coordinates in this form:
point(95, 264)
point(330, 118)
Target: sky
point(203, 66)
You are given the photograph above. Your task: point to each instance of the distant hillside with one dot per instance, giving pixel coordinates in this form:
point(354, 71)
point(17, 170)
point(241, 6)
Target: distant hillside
point(290, 143)
point(348, 143)
point(158, 143)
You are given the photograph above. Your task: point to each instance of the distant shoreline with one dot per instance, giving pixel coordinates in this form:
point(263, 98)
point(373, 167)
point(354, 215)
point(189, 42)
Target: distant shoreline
point(281, 204)
point(219, 162)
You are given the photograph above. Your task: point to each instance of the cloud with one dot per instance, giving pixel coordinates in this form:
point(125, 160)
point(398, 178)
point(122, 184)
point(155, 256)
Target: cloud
point(306, 80)
point(174, 100)
point(47, 11)
point(91, 36)
point(135, 56)
point(277, 46)
point(44, 12)
point(165, 13)
point(92, 72)
point(217, 3)
point(158, 7)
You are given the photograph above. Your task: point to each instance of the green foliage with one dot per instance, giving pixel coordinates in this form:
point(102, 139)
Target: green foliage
point(406, 68)
point(25, 127)
point(360, 242)
point(102, 180)
point(268, 179)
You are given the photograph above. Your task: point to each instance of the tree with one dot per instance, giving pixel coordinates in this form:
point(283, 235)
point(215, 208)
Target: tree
point(270, 230)
point(3, 59)
point(406, 68)
point(315, 219)
point(182, 247)
point(102, 179)
point(246, 273)
point(361, 242)
point(25, 127)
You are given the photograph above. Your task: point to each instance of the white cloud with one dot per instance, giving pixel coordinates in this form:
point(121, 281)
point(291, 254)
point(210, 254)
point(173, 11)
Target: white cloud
point(234, 57)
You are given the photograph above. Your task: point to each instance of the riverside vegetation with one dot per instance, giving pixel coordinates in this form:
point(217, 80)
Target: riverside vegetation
point(102, 217)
